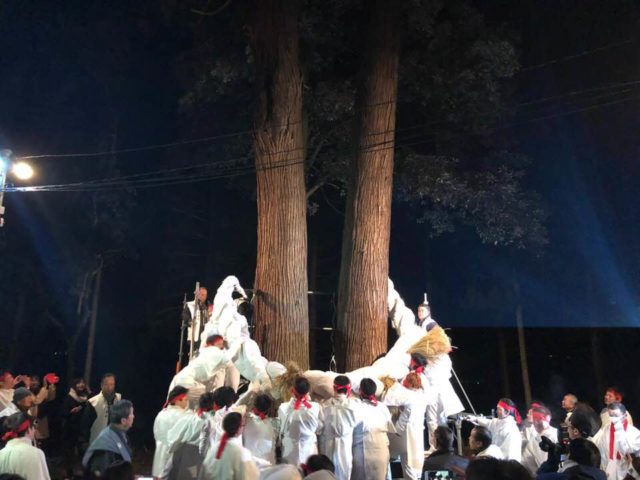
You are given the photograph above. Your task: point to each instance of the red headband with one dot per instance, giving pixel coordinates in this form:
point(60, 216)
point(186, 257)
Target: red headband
point(202, 411)
point(175, 399)
point(223, 443)
point(371, 398)
point(511, 409)
point(339, 388)
point(258, 413)
point(300, 399)
point(415, 367)
point(23, 427)
point(539, 416)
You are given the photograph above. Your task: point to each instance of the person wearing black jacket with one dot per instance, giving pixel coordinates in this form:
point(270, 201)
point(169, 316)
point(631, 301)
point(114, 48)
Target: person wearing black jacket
point(71, 413)
point(444, 457)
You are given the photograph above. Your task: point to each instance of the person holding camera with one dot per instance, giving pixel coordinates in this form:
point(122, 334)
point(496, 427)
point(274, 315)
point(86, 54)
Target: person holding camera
point(583, 463)
point(579, 427)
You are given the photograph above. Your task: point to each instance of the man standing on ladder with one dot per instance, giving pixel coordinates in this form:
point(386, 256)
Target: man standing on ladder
point(196, 314)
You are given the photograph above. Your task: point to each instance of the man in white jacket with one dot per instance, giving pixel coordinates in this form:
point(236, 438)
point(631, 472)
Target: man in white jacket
point(174, 409)
point(504, 429)
point(19, 456)
point(615, 442)
point(532, 455)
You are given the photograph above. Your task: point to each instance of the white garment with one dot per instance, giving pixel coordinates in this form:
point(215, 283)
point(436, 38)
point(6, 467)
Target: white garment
point(21, 458)
point(410, 427)
point(298, 430)
point(183, 447)
point(491, 451)
point(235, 463)
point(340, 417)
point(196, 321)
point(370, 441)
point(9, 410)
point(6, 397)
point(283, 471)
point(402, 318)
point(532, 455)
point(438, 375)
point(260, 437)
point(606, 420)
point(625, 442)
point(505, 434)
point(100, 405)
point(164, 421)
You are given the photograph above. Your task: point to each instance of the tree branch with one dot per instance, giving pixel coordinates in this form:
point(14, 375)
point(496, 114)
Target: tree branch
point(215, 12)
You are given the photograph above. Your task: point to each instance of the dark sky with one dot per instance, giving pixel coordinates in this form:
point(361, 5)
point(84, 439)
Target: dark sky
point(83, 77)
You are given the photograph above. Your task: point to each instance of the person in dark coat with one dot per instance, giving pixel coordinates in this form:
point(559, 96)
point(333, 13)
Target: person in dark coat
point(444, 457)
point(71, 412)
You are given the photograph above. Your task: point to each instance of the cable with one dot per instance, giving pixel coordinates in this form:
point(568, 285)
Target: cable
point(117, 182)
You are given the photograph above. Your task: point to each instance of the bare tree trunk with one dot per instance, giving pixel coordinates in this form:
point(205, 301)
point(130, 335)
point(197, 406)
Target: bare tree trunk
point(95, 302)
point(364, 269)
point(281, 308)
point(502, 350)
point(524, 364)
point(18, 320)
point(596, 360)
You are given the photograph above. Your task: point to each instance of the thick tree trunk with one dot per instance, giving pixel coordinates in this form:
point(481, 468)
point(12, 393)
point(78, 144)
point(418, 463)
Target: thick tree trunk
point(281, 308)
point(362, 294)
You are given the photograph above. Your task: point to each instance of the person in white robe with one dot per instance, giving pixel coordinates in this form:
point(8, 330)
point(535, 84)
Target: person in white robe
point(300, 421)
point(611, 395)
point(282, 471)
point(340, 417)
point(175, 408)
point(96, 414)
point(370, 440)
point(199, 375)
point(480, 443)
point(224, 400)
point(615, 442)
point(408, 441)
point(260, 433)
point(183, 442)
point(504, 429)
point(532, 455)
point(19, 456)
point(228, 459)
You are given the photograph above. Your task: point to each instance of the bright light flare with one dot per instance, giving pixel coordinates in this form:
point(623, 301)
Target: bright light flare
point(22, 170)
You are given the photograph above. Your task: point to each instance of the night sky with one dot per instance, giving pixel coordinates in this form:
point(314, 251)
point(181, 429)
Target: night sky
point(82, 77)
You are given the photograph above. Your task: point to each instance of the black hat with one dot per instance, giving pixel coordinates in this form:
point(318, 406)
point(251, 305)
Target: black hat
point(21, 393)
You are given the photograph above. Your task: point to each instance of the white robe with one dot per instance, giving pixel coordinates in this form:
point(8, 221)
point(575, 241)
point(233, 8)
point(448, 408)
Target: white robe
point(438, 375)
point(370, 441)
point(6, 397)
point(491, 451)
point(505, 434)
point(532, 455)
point(21, 458)
point(298, 429)
point(260, 437)
point(164, 421)
point(340, 417)
point(183, 446)
point(235, 463)
point(625, 442)
point(410, 427)
point(283, 471)
point(101, 407)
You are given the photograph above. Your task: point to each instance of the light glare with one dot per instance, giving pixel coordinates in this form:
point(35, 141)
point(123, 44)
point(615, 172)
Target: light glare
point(22, 171)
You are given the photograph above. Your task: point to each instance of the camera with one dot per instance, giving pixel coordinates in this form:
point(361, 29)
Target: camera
point(553, 449)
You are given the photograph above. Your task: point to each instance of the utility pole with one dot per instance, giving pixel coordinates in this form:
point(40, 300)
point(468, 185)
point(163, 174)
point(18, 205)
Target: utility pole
point(4, 168)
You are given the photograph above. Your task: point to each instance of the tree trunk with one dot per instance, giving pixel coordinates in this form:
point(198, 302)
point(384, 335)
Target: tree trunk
point(504, 369)
point(281, 308)
point(18, 320)
point(95, 302)
point(596, 360)
point(364, 269)
point(524, 364)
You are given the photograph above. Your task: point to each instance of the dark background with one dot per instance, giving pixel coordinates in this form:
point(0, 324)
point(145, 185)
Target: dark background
point(83, 76)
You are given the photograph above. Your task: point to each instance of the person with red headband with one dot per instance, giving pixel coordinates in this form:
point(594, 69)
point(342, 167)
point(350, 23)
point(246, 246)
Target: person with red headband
point(504, 428)
point(300, 421)
point(616, 442)
point(532, 455)
point(370, 440)
point(228, 459)
point(261, 432)
point(201, 373)
point(225, 399)
point(184, 442)
point(340, 417)
point(613, 394)
point(19, 456)
point(176, 407)
point(408, 442)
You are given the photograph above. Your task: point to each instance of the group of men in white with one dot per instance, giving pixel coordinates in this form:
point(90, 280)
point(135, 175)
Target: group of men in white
point(357, 421)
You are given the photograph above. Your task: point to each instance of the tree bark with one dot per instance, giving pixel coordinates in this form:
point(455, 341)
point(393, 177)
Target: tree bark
point(524, 363)
point(95, 302)
point(504, 368)
point(281, 308)
point(364, 270)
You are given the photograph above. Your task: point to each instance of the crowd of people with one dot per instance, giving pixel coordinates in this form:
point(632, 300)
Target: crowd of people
point(232, 414)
